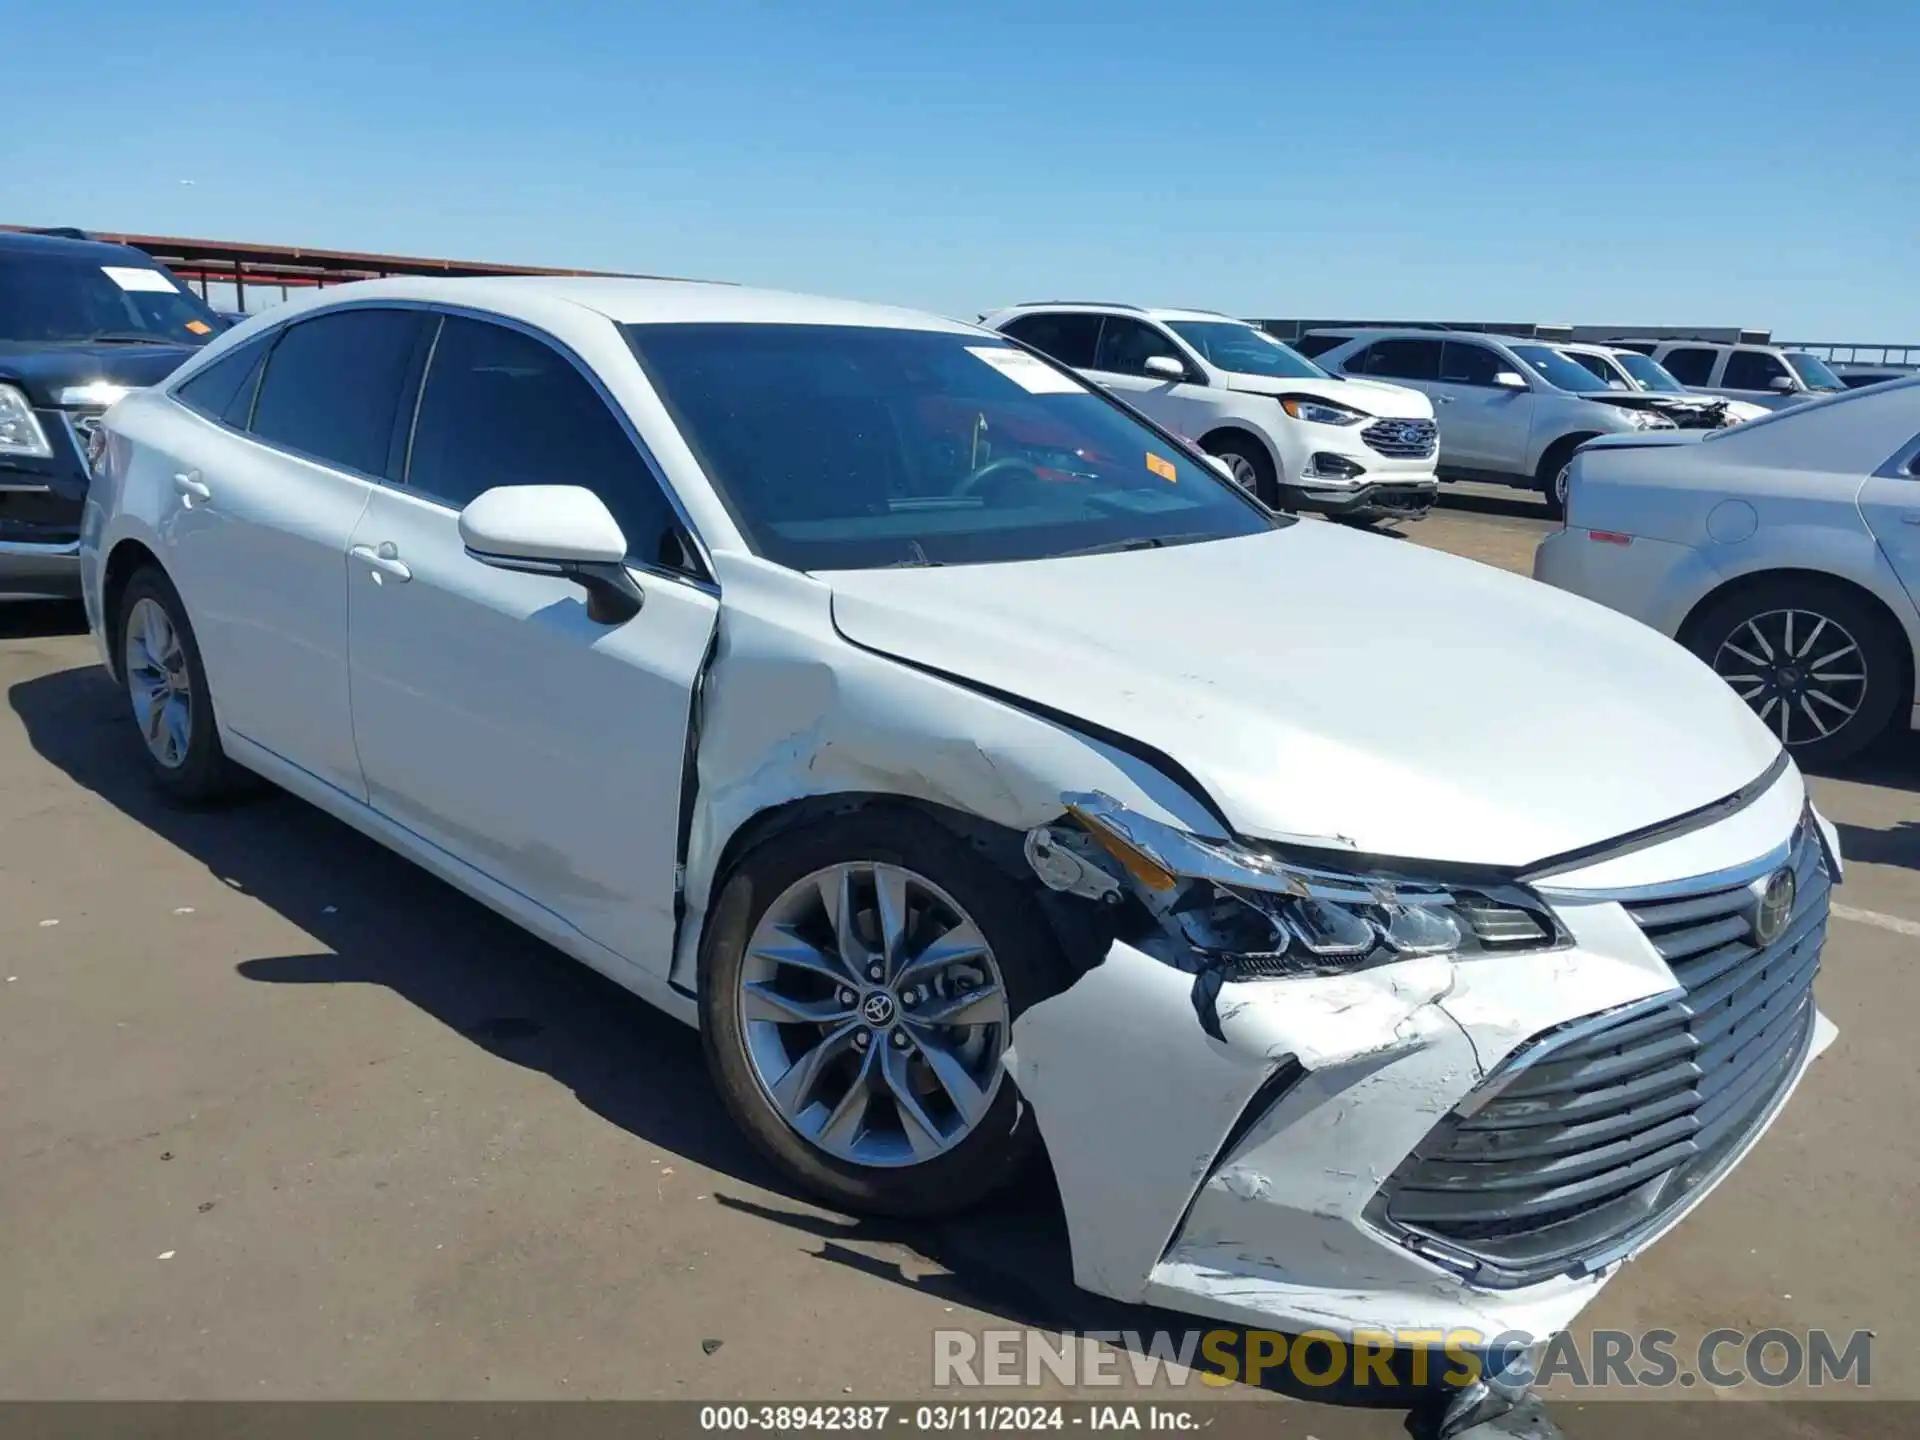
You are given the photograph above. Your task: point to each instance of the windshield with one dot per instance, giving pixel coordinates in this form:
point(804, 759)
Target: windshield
point(854, 447)
point(52, 298)
point(1556, 369)
point(1597, 366)
point(1649, 373)
point(1245, 349)
point(1813, 371)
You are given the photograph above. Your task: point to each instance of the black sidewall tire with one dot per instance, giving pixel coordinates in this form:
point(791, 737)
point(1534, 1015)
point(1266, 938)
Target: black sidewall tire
point(1548, 483)
point(1887, 681)
point(1007, 1140)
point(1266, 485)
point(206, 774)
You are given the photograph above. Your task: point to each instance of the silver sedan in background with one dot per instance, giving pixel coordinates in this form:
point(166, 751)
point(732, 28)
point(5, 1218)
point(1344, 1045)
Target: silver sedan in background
point(1784, 552)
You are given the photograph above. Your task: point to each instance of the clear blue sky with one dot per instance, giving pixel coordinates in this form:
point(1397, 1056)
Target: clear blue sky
point(1613, 162)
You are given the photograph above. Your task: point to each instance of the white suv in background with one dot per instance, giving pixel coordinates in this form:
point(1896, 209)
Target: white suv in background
point(1296, 436)
point(1759, 374)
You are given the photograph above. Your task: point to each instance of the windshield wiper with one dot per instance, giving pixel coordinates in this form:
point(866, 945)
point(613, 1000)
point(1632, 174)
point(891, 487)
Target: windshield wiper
point(916, 559)
point(128, 337)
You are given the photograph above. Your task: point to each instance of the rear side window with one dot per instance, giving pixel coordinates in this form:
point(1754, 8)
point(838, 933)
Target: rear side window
point(502, 408)
point(1068, 338)
point(1405, 359)
point(1465, 364)
point(1689, 366)
point(1752, 370)
point(332, 386)
point(215, 390)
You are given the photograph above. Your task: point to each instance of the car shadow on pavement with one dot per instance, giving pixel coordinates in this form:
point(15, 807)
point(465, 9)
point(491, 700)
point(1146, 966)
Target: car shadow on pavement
point(381, 920)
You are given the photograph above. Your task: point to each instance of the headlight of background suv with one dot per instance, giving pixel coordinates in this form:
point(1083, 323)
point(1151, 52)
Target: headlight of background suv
point(1249, 914)
point(20, 432)
point(1648, 420)
point(1320, 412)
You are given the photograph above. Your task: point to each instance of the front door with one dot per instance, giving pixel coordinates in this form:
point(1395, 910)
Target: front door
point(1486, 425)
point(1120, 365)
point(494, 718)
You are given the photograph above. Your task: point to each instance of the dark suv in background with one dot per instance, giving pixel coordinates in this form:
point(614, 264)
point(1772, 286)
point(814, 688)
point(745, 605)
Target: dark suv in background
point(81, 323)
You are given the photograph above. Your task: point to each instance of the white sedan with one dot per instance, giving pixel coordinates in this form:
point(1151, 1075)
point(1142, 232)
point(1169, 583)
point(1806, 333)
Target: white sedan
point(1784, 552)
point(960, 752)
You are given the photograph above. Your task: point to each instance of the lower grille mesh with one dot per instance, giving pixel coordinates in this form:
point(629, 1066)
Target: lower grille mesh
point(1591, 1135)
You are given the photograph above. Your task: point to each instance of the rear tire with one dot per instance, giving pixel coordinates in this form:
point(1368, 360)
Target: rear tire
point(1806, 654)
point(1252, 468)
point(883, 1159)
point(166, 685)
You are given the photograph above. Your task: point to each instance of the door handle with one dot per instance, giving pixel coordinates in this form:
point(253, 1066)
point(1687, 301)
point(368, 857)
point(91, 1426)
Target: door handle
point(385, 560)
point(190, 488)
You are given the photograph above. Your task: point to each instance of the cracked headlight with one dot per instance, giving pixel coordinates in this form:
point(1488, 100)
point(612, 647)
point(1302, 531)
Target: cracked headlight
point(1320, 412)
point(1247, 913)
point(1648, 420)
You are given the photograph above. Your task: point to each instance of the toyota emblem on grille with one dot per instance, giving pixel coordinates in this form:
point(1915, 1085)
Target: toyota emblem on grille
point(1776, 906)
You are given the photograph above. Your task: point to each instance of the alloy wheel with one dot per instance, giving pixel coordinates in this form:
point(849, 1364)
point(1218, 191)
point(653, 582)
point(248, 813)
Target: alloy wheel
point(1802, 672)
point(158, 683)
point(1561, 483)
point(1244, 473)
point(874, 1014)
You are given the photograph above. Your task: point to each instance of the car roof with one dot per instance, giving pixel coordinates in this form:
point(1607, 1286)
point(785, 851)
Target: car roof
point(1150, 312)
point(642, 302)
point(1417, 332)
point(23, 242)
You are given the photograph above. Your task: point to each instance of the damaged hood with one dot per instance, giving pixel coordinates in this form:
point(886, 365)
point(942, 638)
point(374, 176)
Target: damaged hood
point(1342, 689)
point(1394, 401)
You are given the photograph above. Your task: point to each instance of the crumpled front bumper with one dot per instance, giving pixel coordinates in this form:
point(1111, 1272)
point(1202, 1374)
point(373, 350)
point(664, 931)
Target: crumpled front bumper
point(1237, 1178)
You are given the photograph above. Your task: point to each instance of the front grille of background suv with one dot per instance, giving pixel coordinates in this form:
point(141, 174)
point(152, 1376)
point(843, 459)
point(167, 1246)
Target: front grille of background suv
point(1590, 1135)
point(1402, 439)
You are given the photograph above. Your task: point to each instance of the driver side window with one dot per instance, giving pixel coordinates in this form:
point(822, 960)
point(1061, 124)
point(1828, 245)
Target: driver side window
point(1127, 344)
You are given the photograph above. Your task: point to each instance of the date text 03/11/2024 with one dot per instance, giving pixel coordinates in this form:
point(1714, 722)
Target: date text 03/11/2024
point(795, 1418)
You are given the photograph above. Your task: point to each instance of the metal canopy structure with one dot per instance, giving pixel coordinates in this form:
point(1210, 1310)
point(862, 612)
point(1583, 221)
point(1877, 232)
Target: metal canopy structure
point(245, 265)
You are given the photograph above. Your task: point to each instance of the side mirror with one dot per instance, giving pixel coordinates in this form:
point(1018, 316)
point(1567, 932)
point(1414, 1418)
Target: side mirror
point(1165, 365)
point(563, 530)
point(1510, 380)
point(1782, 383)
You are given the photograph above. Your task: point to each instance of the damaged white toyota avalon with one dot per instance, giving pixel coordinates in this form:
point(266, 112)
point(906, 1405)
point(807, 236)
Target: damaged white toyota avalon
point(1366, 937)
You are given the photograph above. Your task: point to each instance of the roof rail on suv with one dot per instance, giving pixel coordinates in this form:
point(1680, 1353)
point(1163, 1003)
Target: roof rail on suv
point(64, 232)
point(1099, 304)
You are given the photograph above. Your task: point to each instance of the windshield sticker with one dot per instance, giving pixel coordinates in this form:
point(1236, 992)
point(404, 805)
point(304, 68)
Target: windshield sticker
point(199, 327)
point(1163, 468)
point(1030, 373)
point(130, 277)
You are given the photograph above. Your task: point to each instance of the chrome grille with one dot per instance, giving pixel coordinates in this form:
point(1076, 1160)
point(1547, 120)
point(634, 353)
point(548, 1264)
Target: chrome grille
point(1593, 1133)
point(1402, 439)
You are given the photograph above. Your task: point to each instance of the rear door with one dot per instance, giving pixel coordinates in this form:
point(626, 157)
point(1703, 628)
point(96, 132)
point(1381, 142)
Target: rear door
point(263, 499)
point(1890, 504)
point(494, 718)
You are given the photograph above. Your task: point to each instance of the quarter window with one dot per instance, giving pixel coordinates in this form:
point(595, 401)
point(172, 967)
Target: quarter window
point(333, 383)
point(1068, 336)
point(1127, 344)
point(1689, 366)
point(500, 407)
point(214, 390)
point(1752, 370)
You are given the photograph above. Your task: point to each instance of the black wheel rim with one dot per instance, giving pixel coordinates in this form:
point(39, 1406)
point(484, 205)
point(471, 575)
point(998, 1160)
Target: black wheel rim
point(1803, 673)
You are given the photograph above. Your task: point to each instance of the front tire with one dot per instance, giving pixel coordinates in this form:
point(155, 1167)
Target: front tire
point(166, 685)
point(1818, 664)
point(1252, 467)
point(858, 986)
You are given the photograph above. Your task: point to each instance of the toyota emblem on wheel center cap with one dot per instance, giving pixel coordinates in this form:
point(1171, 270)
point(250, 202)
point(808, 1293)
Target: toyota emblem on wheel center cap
point(877, 1008)
point(1776, 906)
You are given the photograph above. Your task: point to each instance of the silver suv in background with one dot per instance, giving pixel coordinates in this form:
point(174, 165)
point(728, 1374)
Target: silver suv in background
point(1759, 374)
point(1630, 370)
point(1510, 411)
